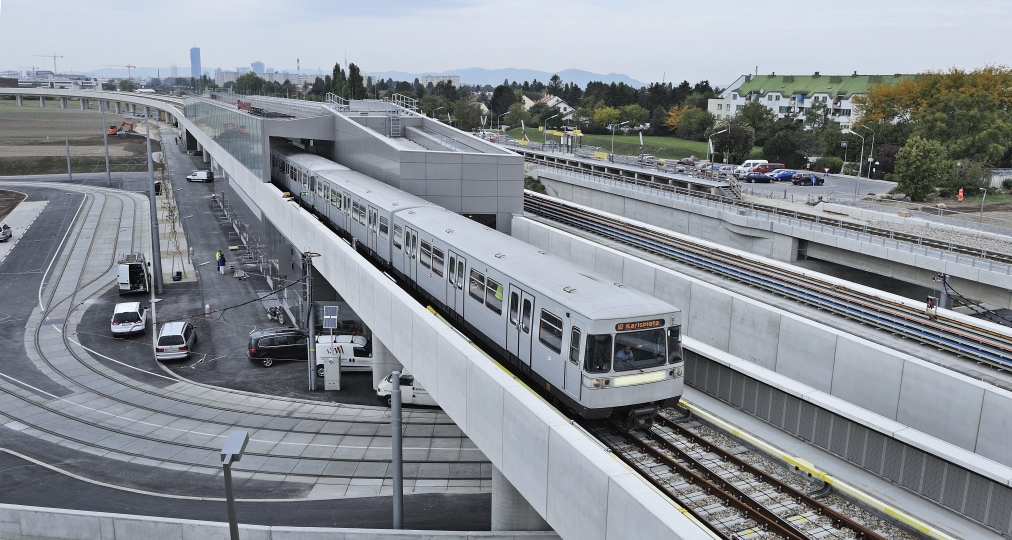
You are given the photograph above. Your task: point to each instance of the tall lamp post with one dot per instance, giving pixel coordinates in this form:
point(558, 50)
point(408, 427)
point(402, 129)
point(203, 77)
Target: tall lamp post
point(860, 162)
point(544, 132)
point(436, 109)
point(871, 150)
point(613, 126)
point(500, 119)
point(982, 209)
point(709, 143)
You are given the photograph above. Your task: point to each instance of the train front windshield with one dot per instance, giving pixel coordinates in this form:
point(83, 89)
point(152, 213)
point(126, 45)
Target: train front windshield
point(628, 351)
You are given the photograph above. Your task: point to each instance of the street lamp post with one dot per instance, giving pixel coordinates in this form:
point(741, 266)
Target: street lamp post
point(544, 132)
point(860, 162)
point(982, 208)
point(500, 119)
point(709, 143)
point(436, 109)
point(231, 452)
point(613, 126)
point(871, 151)
point(307, 258)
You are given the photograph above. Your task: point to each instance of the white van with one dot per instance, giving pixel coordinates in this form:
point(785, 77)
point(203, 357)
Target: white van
point(411, 390)
point(200, 176)
point(745, 168)
point(354, 352)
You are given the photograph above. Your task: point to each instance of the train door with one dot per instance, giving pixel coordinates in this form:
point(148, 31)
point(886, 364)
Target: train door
point(455, 284)
point(518, 331)
point(574, 375)
point(372, 242)
point(410, 253)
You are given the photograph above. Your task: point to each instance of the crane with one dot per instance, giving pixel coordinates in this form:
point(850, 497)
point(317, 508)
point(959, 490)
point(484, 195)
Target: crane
point(33, 68)
point(54, 56)
point(128, 66)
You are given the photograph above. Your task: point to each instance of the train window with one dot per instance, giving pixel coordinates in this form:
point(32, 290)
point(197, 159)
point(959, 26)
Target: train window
point(638, 350)
point(451, 276)
point(598, 354)
point(493, 296)
point(460, 274)
point(347, 204)
point(437, 261)
point(477, 286)
point(525, 321)
point(574, 346)
point(321, 188)
point(361, 214)
point(335, 199)
point(398, 233)
point(674, 344)
point(384, 227)
point(514, 308)
point(551, 331)
point(426, 257)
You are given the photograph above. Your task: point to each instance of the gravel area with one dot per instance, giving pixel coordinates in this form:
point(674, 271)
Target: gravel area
point(964, 238)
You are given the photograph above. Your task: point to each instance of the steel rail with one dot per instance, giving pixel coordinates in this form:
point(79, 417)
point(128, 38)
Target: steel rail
point(945, 333)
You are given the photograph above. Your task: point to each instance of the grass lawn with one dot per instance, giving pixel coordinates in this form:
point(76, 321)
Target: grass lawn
point(662, 147)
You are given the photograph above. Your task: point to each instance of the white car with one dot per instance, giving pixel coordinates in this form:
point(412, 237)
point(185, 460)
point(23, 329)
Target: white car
point(175, 341)
point(129, 318)
point(200, 176)
point(5, 232)
point(411, 390)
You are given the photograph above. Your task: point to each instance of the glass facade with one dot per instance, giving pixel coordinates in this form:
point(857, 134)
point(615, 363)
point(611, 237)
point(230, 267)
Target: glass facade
point(237, 132)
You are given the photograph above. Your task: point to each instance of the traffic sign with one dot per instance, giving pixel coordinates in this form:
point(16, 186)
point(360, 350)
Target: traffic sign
point(329, 317)
point(827, 169)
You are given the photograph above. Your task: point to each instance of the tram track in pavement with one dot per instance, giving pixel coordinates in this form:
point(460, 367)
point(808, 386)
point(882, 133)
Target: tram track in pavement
point(192, 433)
point(945, 333)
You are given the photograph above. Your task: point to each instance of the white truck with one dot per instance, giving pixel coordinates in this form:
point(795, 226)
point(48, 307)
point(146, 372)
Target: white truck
point(201, 176)
point(133, 274)
point(354, 352)
point(412, 391)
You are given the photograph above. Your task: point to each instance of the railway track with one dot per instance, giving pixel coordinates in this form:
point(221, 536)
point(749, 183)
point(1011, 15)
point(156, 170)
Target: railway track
point(737, 493)
point(957, 336)
point(857, 228)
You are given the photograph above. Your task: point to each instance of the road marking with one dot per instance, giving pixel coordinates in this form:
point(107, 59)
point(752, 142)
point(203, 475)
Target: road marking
point(56, 253)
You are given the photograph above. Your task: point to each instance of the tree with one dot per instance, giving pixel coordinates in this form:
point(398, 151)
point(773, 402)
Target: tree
point(554, 87)
point(693, 124)
point(784, 147)
point(736, 141)
point(920, 166)
point(339, 81)
point(502, 99)
point(658, 120)
point(249, 83)
point(760, 118)
point(108, 86)
point(634, 114)
point(432, 102)
point(516, 114)
point(466, 114)
point(356, 86)
point(606, 116)
point(126, 85)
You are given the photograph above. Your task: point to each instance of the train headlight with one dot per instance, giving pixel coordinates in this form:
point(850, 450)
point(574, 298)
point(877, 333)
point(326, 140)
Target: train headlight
point(639, 378)
point(678, 372)
point(597, 382)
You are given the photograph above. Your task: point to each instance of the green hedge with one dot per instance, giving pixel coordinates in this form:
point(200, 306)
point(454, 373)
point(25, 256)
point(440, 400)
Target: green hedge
point(835, 164)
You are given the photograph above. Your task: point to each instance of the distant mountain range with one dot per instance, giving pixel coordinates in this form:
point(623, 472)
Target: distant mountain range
point(496, 77)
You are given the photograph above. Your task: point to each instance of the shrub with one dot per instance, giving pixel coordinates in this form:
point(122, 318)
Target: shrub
point(1006, 183)
point(835, 164)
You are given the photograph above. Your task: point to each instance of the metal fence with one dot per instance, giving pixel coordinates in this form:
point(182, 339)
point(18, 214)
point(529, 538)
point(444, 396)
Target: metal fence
point(827, 226)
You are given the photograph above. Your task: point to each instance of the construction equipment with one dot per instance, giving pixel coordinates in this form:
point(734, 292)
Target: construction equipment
point(128, 66)
point(113, 130)
point(54, 56)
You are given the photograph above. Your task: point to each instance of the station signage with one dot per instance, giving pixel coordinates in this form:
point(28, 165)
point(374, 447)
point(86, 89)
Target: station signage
point(638, 325)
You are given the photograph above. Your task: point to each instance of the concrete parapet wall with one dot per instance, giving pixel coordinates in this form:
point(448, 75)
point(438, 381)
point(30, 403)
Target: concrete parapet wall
point(971, 415)
point(34, 523)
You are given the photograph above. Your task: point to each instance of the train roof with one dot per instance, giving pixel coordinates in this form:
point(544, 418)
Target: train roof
point(306, 160)
point(583, 291)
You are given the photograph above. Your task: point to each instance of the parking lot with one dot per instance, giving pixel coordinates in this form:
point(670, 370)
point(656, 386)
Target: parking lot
point(219, 356)
point(837, 186)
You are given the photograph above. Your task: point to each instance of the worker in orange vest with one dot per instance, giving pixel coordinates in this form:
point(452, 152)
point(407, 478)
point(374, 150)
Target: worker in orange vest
point(960, 195)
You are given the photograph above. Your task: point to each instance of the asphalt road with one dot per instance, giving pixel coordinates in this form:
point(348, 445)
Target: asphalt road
point(837, 186)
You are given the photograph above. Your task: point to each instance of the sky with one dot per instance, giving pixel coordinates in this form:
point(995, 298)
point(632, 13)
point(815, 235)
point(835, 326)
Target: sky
point(649, 40)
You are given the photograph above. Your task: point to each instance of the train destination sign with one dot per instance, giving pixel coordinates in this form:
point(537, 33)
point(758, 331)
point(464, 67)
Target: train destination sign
point(638, 325)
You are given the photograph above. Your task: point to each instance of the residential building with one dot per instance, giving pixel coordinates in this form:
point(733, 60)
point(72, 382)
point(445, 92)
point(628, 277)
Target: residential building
point(554, 101)
point(221, 76)
point(195, 63)
point(436, 79)
point(791, 95)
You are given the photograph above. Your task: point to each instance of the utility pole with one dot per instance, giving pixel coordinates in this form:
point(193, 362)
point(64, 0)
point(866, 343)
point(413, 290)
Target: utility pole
point(156, 248)
point(70, 175)
point(307, 257)
point(395, 449)
point(105, 141)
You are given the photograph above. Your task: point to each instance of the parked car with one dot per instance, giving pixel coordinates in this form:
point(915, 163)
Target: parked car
point(754, 177)
point(723, 171)
point(686, 161)
point(129, 318)
point(411, 390)
point(701, 166)
point(277, 344)
point(354, 352)
point(200, 176)
point(806, 178)
point(5, 232)
point(175, 341)
point(747, 167)
point(647, 159)
point(767, 167)
point(783, 174)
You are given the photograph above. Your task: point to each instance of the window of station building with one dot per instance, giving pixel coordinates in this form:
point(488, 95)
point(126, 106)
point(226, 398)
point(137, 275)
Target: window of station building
point(437, 260)
point(551, 331)
point(398, 235)
point(476, 287)
point(493, 296)
point(574, 346)
point(384, 227)
point(426, 257)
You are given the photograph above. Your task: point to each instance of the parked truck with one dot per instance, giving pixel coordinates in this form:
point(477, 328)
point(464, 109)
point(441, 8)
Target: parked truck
point(134, 276)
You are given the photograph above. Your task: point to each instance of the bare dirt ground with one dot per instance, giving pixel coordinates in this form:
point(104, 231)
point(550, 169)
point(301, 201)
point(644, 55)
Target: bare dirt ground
point(8, 200)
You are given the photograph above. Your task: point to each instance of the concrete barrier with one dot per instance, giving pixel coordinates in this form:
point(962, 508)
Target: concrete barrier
point(939, 402)
point(34, 523)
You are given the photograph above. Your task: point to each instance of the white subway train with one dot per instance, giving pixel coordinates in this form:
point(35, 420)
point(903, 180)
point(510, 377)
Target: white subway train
point(592, 345)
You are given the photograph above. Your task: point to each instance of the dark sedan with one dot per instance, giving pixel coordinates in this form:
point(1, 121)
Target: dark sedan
point(783, 175)
point(754, 177)
point(807, 179)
